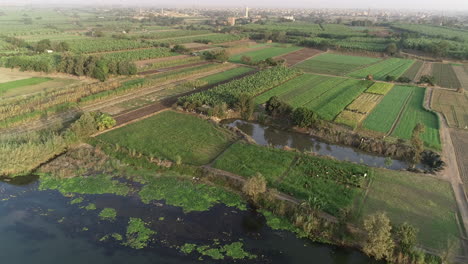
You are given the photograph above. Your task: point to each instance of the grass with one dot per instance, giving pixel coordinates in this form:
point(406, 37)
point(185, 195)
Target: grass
point(171, 135)
point(413, 114)
point(335, 64)
point(99, 184)
point(138, 235)
point(226, 75)
point(4, 87)
point(188, 195)
point(329, 184)
point(389, 67)
point(384, 115)
point(423, 201)
point(247, 160)
point(262, 54)
point(349, 118)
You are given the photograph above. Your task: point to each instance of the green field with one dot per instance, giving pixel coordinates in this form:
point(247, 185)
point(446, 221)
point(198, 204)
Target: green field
point(170, 135)
point(327, 96)
point(413, 70)
point(445, 76)
point(4, 87)
point(226, 75)
point(389, 67)
point(413, 114)
point(330, 184)
point(262, 54)
point(329, 63)
point(425, 202)
point(384, 115)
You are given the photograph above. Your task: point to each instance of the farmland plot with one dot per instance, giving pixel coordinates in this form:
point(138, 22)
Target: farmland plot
point(335, 64)
point(171, 135)
point(226, 75)
point(413, 71)
point(390, 67)
point(364, 103)
point(262, 54)
point(385, 114)
point(413, 114)
point(445, 76)
point(333, 184)
point(453, 105)
point(350, 118)
point(462, 75)
point(380, 88)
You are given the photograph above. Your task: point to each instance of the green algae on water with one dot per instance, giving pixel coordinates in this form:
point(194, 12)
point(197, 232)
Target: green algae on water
point(108, 214)
point(190, 196)
point(90, 206)
point(234, 250)
point(77, 200)
point(97, 184)
point(138, 235)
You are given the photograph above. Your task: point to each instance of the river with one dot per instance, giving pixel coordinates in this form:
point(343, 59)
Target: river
point(271, 136)
point(44, 227)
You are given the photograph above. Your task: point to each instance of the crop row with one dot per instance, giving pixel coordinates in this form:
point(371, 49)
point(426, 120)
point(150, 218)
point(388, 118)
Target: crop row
point(140, 54)
point(172, 63)
point(413, 70)
point(415, 113)
point(251, 85)
point(337, 64)
point(349, 118)
point(380, 88)
point(390, 67)
point(385, 114)
point(445, 76)
point(101, 45)
point(173, 34)
point(214, 38)
point(364, 103)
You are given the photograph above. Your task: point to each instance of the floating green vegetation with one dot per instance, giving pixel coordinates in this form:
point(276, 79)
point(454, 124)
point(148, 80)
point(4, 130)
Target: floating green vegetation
point(234, 250)
point(115, 236)
point(161, 218)
point(190, 196)
point(108, 214)
point(61, 220)
point(138, 235)
point(98, 184)
point(281, 223)
point(90, 206)
point(84, 229)
point(76, 200)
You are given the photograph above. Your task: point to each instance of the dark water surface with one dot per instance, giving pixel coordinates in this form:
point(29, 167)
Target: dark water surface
point(43, 227)
point(270, 136)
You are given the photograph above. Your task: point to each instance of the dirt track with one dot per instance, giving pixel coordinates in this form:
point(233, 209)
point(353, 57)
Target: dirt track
point(298, 56)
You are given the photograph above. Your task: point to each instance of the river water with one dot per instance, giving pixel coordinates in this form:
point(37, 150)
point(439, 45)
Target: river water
point(43, 227)
point(270, 136)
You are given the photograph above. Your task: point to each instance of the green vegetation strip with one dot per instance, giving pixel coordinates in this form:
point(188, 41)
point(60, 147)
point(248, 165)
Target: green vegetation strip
point(234, 250)
point(188, 195)
point(226, 75)
point(174, 136)
point(98, 184)
point(336, 64)
point(415, 113)
point(4, 87)
point(262, 54)
point(329, 184)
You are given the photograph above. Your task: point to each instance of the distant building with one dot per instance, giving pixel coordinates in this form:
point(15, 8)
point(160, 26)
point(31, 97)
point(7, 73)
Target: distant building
point(49, 51)
point(246, 12)
point(231, 21)
point(289, 18)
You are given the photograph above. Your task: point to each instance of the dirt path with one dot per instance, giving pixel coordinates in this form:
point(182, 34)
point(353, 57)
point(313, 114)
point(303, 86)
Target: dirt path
point(451, 171)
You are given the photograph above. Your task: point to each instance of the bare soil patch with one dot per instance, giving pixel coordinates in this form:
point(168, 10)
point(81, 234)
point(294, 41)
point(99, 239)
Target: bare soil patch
point(462, 75)
point(295, 57)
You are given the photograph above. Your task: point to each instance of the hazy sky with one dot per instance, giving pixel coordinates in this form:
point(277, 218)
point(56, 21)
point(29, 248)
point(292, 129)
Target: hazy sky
point(460, 5)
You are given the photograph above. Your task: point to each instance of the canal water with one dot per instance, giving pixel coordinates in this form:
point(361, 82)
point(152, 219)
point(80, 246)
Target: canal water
point(270, 136)
point(43, 227)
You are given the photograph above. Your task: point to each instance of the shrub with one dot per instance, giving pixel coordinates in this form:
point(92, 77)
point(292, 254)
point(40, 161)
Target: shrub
point(304, 117)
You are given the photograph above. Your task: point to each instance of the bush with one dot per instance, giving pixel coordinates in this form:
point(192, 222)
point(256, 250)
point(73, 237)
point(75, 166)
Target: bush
point(427, 79)
point(255, 186)
point(304, 117)
point(404, 79)
point(390, 78)
point(274, 106)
